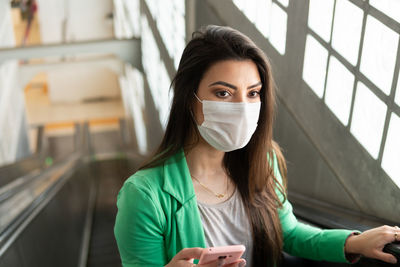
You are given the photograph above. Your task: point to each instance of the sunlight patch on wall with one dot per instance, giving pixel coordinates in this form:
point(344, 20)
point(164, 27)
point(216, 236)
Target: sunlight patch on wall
point(339, 90)
point(347, 30)
point(368, 119)
point(379, 54)
point(391, 154)
point(314, 69)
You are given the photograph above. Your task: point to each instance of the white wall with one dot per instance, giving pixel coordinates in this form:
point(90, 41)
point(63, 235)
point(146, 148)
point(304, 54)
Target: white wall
point(12, 106)
point(74, 20)
point(82, 80)
point(132, 88)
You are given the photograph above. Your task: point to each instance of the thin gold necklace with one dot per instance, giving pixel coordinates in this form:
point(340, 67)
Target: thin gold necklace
point(218, 195)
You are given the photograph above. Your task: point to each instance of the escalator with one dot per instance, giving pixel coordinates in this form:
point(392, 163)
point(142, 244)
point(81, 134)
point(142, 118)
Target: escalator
point(57, 208)
point(110, 176)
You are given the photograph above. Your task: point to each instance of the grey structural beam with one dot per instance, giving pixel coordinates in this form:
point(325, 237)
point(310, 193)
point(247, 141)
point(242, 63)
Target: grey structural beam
point(128, 50)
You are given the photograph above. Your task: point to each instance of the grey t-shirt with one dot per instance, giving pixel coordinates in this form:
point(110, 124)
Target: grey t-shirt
point(226, 224)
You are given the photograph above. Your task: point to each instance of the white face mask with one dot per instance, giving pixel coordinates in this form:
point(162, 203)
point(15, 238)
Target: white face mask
point(228, 126)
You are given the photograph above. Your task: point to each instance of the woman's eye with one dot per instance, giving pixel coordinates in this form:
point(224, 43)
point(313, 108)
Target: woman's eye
point(222, 93)
point(254, 94)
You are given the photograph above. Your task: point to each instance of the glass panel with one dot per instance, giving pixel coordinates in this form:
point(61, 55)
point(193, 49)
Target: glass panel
point(347, 30)
point(397, 99)
point(339, 90)
point(263, 16)
point(171, 24)
point(391, 154)
point(7, 38)
point(133, 95)
point(179, 6)
point(150, 57)
point(133, 9)
point(251, 11)
point(284, 2)
point(314, 69)
point(389, 7)
point(240, 4)
point(278, 28)
point(164, 94)
point(320, 17)
point(368, 119)
point(379, 54)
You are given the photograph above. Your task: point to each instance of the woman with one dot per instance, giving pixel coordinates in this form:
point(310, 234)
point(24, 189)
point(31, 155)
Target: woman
point(216, 177)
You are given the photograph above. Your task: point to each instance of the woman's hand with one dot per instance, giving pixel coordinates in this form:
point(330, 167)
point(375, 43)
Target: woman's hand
point(185, 257)
point(370, 243)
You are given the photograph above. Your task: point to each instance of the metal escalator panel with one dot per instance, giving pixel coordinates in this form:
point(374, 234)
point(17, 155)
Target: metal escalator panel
point(109, 176)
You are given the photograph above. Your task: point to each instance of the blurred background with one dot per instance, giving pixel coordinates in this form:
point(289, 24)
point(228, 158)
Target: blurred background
point(85, 96)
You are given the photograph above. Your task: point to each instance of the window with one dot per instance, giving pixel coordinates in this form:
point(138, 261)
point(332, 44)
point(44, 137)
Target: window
point(368, 119)
point(320, 17)
point(278, 28)
point(379, 54)
point(397, 99)
point(157, 75)
point(133, 95)
point(314, 68)
point(347, 30)
point(171, 25)
point(391, 154)
point(339, 90)
point(270, 18)
point(374, 27)
point(389, 7)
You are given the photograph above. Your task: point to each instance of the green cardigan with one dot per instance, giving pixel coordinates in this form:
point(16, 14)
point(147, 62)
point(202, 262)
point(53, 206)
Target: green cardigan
point(158, 216)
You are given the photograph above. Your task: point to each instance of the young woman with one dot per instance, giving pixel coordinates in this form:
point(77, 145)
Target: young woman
point(216, 177)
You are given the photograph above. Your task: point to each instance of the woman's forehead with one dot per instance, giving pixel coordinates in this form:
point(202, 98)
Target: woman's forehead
point(241, 73)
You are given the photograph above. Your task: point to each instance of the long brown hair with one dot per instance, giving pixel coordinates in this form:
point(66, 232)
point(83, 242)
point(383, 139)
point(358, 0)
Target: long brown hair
point(250, 167)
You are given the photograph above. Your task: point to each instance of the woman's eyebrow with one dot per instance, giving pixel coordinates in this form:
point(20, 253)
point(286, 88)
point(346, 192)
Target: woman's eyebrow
point(233, 86)
point(254, 85)
point(224, 84)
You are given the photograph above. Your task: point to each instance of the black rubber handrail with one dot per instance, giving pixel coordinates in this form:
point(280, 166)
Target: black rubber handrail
point(49, 179)
point(326, 215)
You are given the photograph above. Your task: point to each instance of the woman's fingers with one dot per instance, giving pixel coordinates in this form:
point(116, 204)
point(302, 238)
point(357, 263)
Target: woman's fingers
point(221, 263)
point(189, 253)
point(240, 263)
point(386, 257)
point(216, 263)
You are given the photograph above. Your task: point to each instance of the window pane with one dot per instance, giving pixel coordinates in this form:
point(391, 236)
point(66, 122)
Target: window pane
point(250, 11)
point(368, 119)
point(314, 69)
point(263, 16)
point(164, 94)
point(284, 2)
point(389, 7)
point(240, 4)
point(339, 90)
point(391, 154)
point(397, 99)
point(278, 28)
point(320, 17)
point(347, 30)
point(379, 54)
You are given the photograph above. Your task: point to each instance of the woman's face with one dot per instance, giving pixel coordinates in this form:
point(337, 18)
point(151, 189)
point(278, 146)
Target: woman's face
point(228, 81)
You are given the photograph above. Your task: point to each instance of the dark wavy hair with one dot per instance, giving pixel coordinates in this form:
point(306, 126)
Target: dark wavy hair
point(250, 167)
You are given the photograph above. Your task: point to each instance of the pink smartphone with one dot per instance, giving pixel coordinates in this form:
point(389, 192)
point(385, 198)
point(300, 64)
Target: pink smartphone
point(229, 253)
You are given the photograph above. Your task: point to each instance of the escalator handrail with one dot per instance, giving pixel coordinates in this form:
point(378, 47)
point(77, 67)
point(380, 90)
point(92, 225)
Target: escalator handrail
point(58, 174)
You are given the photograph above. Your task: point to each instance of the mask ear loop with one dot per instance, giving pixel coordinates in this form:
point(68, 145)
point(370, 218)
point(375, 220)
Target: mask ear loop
point(198, 98)
point(191, 112)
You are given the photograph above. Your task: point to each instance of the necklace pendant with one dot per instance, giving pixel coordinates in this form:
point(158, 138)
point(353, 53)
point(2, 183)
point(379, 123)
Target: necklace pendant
point(220, 195)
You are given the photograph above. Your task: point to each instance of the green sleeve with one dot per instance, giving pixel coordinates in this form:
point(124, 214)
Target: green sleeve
point(306, 241)
point(138, 227)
